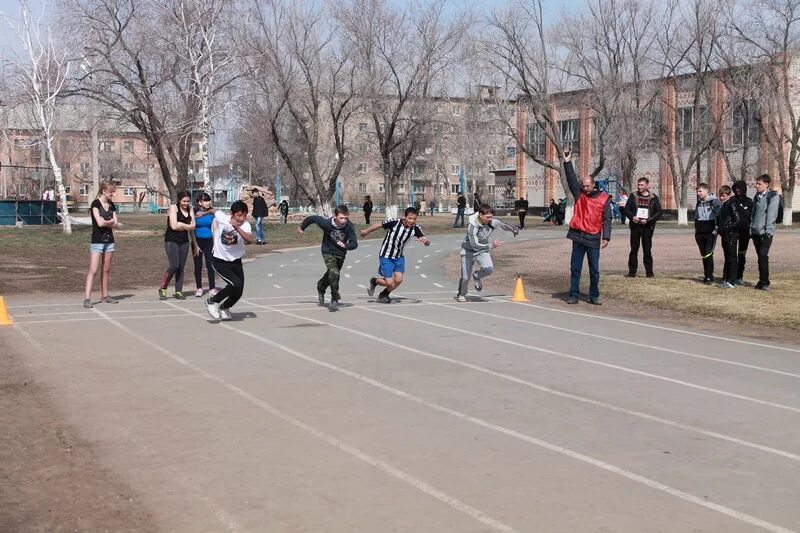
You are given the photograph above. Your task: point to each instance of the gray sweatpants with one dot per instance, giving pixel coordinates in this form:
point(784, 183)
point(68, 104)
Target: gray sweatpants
point(176, 255)
point(484, 260)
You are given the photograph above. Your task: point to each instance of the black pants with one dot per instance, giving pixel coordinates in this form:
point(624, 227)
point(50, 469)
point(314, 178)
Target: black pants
point(176, 255)
point(730, 243)
point(741, 260)
point(522, 219)
point(762, 245)
point(367, 214)
point(706, 243)
point(206, 248)
point(232, 273)
point(641, 234)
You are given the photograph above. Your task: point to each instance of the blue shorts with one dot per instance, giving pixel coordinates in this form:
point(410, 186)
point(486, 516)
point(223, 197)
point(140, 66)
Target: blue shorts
point(389, 266)
point(102, 247)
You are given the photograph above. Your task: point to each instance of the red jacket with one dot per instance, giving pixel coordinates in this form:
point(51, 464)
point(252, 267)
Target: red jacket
point(588, 214)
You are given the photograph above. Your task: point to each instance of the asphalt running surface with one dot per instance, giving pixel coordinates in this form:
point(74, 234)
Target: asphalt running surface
point(424, 414)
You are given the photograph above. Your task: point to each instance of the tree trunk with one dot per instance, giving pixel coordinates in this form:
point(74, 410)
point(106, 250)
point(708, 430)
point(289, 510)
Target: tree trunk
point(62, 192)
point(204, 136)
point(788, 196)
point(683, 216)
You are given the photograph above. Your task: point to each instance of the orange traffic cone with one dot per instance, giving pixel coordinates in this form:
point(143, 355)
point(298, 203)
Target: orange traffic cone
point(519, 291)
point(5, 320)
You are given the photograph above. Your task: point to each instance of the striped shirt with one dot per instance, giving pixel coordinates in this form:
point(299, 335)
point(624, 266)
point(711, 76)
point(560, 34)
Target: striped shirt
point(396, 237)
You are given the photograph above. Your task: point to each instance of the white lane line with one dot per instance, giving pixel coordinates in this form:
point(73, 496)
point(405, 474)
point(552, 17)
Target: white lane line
point(295, 260)
point(420, 261)
point(616, 340)
point(277, 286)
point(311, 255)
point(608, 467)
point(349, 266)
point(223, 516)
point(423, 275)
point(368, 255)
point(361, 286)
point(438, 285)
point(281, 266)
point(416, 267)
point(86, 311)
point(665, 328)
point(91, 318)
point(269, 275)
point(385, 467)
point(347, 275)
point(598, 363)
point(535, 386)
point(358, 261)
point(427, 255)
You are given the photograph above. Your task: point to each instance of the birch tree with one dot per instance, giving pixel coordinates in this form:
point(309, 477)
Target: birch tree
point(42, 74)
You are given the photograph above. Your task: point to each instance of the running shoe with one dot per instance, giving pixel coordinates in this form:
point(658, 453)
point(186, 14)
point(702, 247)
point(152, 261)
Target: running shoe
point(740, 281)
point(213, 309)
point(321, 298)
point(384, 299)
point(572, 300)
point(595, 301)
point(335, 305)
point(162, 294)
point(87, 303)
point(225, 314)
point(372, 284)
point(213, 292)
point(478, 284)
point(108, 300)
point(515, 232)
point(198, 293)
point(179, 296)
point(726, 285)
point(461, 298)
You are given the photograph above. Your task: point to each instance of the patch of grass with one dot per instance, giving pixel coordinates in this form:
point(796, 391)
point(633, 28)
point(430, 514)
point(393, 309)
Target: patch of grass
point(684, 293)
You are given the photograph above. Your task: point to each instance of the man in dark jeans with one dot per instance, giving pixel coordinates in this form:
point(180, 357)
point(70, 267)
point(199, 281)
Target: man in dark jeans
point(762, 226)
point(643, 209)
point(521, 207)
point(461, 206)
point(259, 212)
point(589, 231)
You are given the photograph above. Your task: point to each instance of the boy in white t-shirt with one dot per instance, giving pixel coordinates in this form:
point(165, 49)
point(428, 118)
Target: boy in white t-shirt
point(231, 233)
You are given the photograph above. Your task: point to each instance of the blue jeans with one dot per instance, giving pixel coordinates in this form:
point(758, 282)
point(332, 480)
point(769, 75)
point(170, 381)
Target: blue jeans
point(576, 265)
point(259, 229)
point(459, 216)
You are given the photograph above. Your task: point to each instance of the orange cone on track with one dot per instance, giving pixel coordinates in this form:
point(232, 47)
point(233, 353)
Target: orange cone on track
point(5, 320)
point(519, 291)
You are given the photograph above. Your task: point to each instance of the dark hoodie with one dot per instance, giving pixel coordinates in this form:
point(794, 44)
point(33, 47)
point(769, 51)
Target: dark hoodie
point(742, 204)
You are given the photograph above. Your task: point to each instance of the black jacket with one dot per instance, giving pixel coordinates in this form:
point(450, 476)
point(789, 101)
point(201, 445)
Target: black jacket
point(728, 219)
point(653, 205)
point(332, 233)
point(521, 206)
point(461, 202)
point(259, 207)
point(367, 207)
point(743, 205)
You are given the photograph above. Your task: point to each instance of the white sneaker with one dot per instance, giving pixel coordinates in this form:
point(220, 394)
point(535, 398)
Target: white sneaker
point(225, 314)
point(461, 298)
point(198, 293)
point(213, 309)
point(213, 292)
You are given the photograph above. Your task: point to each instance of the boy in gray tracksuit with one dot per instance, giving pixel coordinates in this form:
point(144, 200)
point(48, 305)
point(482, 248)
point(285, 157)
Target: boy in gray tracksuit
point(766, 204)
point(476, 247)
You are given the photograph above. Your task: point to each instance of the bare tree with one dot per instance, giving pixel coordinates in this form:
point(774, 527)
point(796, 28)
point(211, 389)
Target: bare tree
point(304, 85)
point(771, 31)
point(42, 75)
point(402, 56)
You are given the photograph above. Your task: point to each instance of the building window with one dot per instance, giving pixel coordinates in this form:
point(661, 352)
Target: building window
point(65, 168)
point(511, 151)
point(362, 187)
point(455, 170)
point(456, 111)
point(84, 190)
point(491, 189)
point(362, 168)
point(106, 146)
point(745, 124)
point(86, 168)
point(381, 187)
point(127, 146)
point(362, 126)
point(536, 141)
point(454, 188)
point(129, 191)
point(130, 167)
point(570, 132)
point(67, 189)
point(687, 125)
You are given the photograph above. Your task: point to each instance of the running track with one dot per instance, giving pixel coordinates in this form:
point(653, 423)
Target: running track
point(423, 415)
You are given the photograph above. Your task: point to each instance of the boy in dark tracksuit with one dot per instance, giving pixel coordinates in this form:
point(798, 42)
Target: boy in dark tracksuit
point(338, 236)
point(643, 209)
point(744, 208)
point(705, 229)
point(728, 224)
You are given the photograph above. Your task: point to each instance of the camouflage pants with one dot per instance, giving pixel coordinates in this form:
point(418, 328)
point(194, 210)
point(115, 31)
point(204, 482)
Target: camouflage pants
point(333, 264)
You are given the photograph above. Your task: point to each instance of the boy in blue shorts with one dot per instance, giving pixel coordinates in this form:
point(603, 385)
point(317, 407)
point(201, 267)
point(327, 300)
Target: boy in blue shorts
point(392, 262)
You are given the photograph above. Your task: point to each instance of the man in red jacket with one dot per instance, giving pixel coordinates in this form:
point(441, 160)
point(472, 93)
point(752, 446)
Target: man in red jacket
point(589, 231)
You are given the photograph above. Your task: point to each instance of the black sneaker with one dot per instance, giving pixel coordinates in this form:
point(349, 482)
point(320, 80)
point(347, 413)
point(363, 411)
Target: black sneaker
point(372, 284)
point(478, 284)
point(595, 301)
point(384, 299)
point(321, 298)
point(650, 275)
point(630, 275)
point(334, 305)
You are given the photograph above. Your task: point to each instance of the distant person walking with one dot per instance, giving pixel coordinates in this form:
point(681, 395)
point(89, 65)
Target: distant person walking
point(461, 207)
point(259, 213)
point(643, 210)
point(338, 237)
point(744, 208)
point(367, 207)
point(589, 231)
point(203, 244)
point(101, 249)
point(476, 202)
point(521, 207)
point(767, 207)
point(705, 229)
point(231, 233)
point(176, 244)
point(283, 209)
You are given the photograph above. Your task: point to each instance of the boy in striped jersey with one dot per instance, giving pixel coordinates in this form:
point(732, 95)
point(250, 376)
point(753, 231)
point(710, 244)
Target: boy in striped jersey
point(392, 262)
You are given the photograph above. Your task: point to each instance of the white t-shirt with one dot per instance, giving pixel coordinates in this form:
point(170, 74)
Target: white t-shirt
point(228, 244)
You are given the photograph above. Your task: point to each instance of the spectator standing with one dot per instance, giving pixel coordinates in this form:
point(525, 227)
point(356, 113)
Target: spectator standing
point(423, 207)
point(101, 249)
point(705, 229)
point(259, 213)
point(643, 209)
point(203, 244)
point(589, 231)
point(521, 207)
point(283, 209)
point(367, 208)
point(766, 206)
point(180, 222)
point(728, 227)
point(476, 202)
point(432, 206)
point(461, 207)
point(744, 208)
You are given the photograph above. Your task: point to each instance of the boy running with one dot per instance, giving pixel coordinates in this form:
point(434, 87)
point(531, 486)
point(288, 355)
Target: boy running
point(338, 236)
point(477, 248)
point(392, 263)
point(231, 233)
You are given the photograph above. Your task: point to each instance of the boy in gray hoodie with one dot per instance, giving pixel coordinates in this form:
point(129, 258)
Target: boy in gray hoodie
point(476, 247)
point(766, 204)
point(705, 229)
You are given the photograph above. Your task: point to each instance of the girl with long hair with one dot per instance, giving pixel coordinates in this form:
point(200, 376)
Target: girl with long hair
point(101, 249)
point(180, 223)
